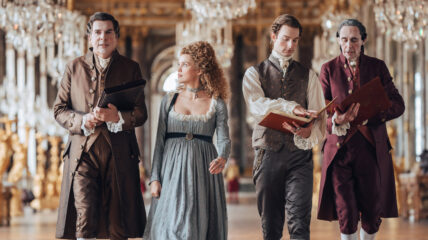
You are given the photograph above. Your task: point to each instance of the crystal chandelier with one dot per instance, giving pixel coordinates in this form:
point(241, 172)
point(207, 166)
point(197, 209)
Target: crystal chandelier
point(218, 12)
point(30, 24)
point(44, 28)
point(33, 25)
point(219, 38)
point(405, 20)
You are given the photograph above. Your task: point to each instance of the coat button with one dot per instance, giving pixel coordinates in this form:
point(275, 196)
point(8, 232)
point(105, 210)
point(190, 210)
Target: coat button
point(90, 105)
point(350, 91)
point(338, 145)
point(349, 79)
point(132, 156)
point(383, 119)
point(91, 91)
point(76, 159)
point(93, 78)
point(344, 65)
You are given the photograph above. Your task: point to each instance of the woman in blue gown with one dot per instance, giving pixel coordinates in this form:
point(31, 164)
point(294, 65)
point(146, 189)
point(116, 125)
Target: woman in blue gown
point(186, 183)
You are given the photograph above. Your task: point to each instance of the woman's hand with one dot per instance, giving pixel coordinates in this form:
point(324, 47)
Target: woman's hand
point(155, 189)
point(217, 165)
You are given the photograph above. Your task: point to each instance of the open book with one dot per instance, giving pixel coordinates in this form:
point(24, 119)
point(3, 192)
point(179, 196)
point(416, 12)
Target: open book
point(275, 119)
point(372, 99)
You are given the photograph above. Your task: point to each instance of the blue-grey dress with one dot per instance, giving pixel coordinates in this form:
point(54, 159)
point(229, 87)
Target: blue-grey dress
point(192, 202)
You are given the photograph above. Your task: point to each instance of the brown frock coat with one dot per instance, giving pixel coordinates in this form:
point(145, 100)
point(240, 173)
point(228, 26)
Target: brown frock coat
point(334, 80)
point(76, 98)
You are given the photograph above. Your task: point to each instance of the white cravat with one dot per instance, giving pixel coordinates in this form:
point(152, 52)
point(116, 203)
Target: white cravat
point(104, 62)
point(283, 60)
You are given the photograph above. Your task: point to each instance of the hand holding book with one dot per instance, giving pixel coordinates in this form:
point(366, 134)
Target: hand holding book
point(302, 112)
point(289, 123)
point(371, 99)
point(348, 116)
point(295, 128)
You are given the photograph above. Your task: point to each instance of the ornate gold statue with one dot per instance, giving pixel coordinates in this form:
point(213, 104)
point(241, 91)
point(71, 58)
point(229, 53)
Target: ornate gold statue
point(17, 171)
point(5, 157)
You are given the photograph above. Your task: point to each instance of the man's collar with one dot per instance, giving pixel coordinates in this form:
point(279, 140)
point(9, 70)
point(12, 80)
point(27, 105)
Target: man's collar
point(343, 59)
point(275, 62)
point(89, 57)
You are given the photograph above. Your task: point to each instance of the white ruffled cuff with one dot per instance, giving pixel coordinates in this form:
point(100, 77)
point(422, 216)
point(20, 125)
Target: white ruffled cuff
point(288, 108)
point(305, 143)
point(116, 127)
point(341, 129)
point(86, 131)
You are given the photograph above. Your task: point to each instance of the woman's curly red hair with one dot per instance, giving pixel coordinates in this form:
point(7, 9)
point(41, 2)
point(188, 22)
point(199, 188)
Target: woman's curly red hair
point(212, 77)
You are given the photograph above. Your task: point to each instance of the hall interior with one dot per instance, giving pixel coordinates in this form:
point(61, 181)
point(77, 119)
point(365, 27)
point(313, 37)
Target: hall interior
point(38, 37)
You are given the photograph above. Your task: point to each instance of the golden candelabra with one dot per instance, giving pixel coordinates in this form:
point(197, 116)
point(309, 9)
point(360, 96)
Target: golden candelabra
point(40, 177)
point(47, 182)
point(53, 174)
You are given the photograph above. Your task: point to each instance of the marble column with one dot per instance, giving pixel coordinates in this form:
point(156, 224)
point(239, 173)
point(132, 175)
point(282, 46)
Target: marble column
point(43, 88)
point(10, 75)
point(21, 70)
point(425, 87)
point(30, 118)
point(237, 121)
point(2, 58)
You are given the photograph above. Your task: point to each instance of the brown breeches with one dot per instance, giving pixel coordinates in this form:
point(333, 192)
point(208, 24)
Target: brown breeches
point(96, 194)
point(356, 184)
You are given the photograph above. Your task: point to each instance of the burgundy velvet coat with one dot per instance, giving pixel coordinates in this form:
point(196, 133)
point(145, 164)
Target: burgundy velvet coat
point(334, 80)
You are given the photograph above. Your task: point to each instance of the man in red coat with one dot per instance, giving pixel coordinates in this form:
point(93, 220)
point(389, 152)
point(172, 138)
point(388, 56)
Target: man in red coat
point(357, 171)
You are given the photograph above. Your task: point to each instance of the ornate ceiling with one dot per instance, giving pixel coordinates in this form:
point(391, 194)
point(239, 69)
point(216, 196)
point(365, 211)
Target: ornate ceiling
point(165, 13)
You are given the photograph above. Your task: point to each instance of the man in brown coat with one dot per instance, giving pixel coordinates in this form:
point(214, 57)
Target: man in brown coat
point(100, 192)
point(357, 172)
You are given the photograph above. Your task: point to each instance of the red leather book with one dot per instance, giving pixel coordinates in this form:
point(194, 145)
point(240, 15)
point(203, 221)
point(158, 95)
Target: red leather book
point(275, 119)
point(372, 99)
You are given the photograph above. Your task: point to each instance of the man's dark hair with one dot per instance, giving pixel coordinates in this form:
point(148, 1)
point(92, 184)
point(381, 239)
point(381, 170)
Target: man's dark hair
point(354, 23)
point(286, 19)
point(102, 16)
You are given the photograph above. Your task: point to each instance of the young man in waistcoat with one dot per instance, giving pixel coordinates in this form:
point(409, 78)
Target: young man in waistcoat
point(283, 164)
point(357, 180)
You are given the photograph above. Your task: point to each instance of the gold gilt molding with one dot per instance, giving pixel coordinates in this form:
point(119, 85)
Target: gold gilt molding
point(343, 6)
point(167, 13)
point(138, 12)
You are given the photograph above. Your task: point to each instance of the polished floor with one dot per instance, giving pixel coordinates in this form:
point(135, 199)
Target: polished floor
point(243, 225)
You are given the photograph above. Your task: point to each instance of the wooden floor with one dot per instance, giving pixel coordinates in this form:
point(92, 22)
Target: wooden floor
point(243, 225)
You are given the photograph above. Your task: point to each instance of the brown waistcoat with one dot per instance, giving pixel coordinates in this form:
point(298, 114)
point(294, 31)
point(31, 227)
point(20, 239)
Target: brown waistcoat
point(292, 87)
